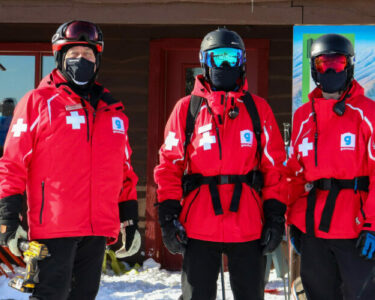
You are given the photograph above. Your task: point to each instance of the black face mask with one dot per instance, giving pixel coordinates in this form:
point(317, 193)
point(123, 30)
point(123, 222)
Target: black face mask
point(332, 82)
point(224, 79)
point(79, 70)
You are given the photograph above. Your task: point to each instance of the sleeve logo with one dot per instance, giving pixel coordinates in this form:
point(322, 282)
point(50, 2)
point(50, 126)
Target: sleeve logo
point(19, 127)
point(118, 125)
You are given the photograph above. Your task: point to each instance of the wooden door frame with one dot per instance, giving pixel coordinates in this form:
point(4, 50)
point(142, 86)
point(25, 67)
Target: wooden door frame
point(157, 117)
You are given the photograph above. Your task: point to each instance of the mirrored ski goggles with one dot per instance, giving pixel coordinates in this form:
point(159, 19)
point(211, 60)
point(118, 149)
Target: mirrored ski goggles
point(217, 57)
point(80, 32)
point(337, 62)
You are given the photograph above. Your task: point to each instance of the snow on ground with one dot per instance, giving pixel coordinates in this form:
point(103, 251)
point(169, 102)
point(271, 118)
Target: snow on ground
point(149, 282)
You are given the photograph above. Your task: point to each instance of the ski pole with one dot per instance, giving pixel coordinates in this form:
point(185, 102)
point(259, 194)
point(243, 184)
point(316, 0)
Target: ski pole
point(222, 276)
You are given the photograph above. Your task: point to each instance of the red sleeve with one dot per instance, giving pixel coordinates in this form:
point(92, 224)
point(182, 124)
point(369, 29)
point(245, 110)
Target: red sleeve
point(130, 179)
point(18, 148)
point(273, 155)
point(294, 171)
point(170, 170)
point(369, 204)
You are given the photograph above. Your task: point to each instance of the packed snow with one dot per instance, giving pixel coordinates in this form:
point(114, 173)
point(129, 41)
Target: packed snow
point(148, 282)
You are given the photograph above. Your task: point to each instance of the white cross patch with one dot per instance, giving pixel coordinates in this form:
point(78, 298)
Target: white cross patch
point(170, 141)
point(19, 127)
point(207, 140)
point(75, 120)
point(305, 147)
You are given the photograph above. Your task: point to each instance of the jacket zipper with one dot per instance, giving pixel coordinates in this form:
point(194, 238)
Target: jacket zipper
point(42, 206)
point(188, 210)
point(216, 128)
point(87, 119)
point(91, 193)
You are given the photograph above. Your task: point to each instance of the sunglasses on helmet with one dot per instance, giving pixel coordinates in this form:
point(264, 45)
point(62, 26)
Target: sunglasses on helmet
point(78, 32)
point(337, 62)
point(217, 57)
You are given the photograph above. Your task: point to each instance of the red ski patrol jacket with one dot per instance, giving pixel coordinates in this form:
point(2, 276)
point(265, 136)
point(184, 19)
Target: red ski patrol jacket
point(338, 148)
point(220, 146)
point(73, 160)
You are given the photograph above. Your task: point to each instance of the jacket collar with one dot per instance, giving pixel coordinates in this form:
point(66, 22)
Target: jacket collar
point(57, 80)
point(355, 90)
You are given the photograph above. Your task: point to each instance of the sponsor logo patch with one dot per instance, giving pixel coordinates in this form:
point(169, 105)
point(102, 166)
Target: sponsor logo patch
point(347, 141)
point(118, 125)
point(247, 137)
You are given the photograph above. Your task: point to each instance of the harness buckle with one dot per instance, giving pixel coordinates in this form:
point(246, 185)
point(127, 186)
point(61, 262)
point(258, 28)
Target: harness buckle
point(325, 183)
point(223, 179)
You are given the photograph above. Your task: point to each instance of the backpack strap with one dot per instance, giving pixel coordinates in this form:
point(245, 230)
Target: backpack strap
point(254, 116)
point(192, 113)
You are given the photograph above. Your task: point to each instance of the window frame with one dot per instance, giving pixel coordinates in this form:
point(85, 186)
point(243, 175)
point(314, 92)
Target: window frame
point(38, 50)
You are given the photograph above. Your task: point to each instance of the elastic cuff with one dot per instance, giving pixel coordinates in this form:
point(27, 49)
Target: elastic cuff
point(128, 210)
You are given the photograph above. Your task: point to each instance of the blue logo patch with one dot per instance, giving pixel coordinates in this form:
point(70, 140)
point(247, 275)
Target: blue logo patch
point(347, 141)
point(118, 125)
point(246, 138)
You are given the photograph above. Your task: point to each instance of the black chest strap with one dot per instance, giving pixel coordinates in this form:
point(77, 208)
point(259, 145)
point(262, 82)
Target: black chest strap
point(193, 181)
point(334, 186)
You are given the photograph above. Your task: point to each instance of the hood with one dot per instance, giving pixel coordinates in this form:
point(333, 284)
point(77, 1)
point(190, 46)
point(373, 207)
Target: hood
point(219, 101)
point(101, 98)
point(203, 89)
point(53, 78)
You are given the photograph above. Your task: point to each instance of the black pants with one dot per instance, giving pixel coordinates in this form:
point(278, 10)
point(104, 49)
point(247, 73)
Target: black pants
point(201, 267)
point(333, 270)
point(72, 271)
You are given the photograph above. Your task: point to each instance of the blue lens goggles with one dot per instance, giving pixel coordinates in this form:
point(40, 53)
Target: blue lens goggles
point(217, 57)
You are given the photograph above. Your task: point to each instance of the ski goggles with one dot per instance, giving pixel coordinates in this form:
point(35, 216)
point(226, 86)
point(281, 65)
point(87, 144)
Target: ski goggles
point(337, 62)
point(217, 57)
point(78, 32)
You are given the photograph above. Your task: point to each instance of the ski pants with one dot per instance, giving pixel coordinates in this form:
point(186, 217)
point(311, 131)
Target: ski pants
point(73, 269)
point(201, 267)
point(331, 269)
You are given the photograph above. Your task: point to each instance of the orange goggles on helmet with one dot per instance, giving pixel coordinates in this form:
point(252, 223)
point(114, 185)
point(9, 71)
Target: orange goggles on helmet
point(336, 62)
point(79, 32)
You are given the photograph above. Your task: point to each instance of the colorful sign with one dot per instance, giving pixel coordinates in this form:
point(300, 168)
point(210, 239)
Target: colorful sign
point(362, 37)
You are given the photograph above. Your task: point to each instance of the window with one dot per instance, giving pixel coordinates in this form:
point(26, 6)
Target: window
point(24, 67)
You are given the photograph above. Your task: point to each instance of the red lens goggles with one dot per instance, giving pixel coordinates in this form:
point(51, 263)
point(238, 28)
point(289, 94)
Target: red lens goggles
point(81, 32)
point(337, 62)
point(80, 29)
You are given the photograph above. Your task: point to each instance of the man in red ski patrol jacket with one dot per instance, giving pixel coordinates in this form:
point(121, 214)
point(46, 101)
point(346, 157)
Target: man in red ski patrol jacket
point(331, 171)
point(68, 147)
point(220, 206)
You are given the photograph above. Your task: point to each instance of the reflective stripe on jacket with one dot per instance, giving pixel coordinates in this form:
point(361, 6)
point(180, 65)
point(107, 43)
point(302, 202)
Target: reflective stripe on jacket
point(74, 162)
point(220, 146)
point(344, 149)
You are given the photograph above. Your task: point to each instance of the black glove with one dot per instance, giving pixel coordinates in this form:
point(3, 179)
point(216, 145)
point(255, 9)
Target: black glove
point(295, 238)
point(274, 225)
point(10, 208)
point(129, 234)
point(366, 244)
point(7, 231)
point(129, 216)
point(173, 233)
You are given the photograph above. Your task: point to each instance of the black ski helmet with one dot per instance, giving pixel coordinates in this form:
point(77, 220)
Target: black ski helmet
point(221, 38)
point(333, 44)
point(77, 33)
